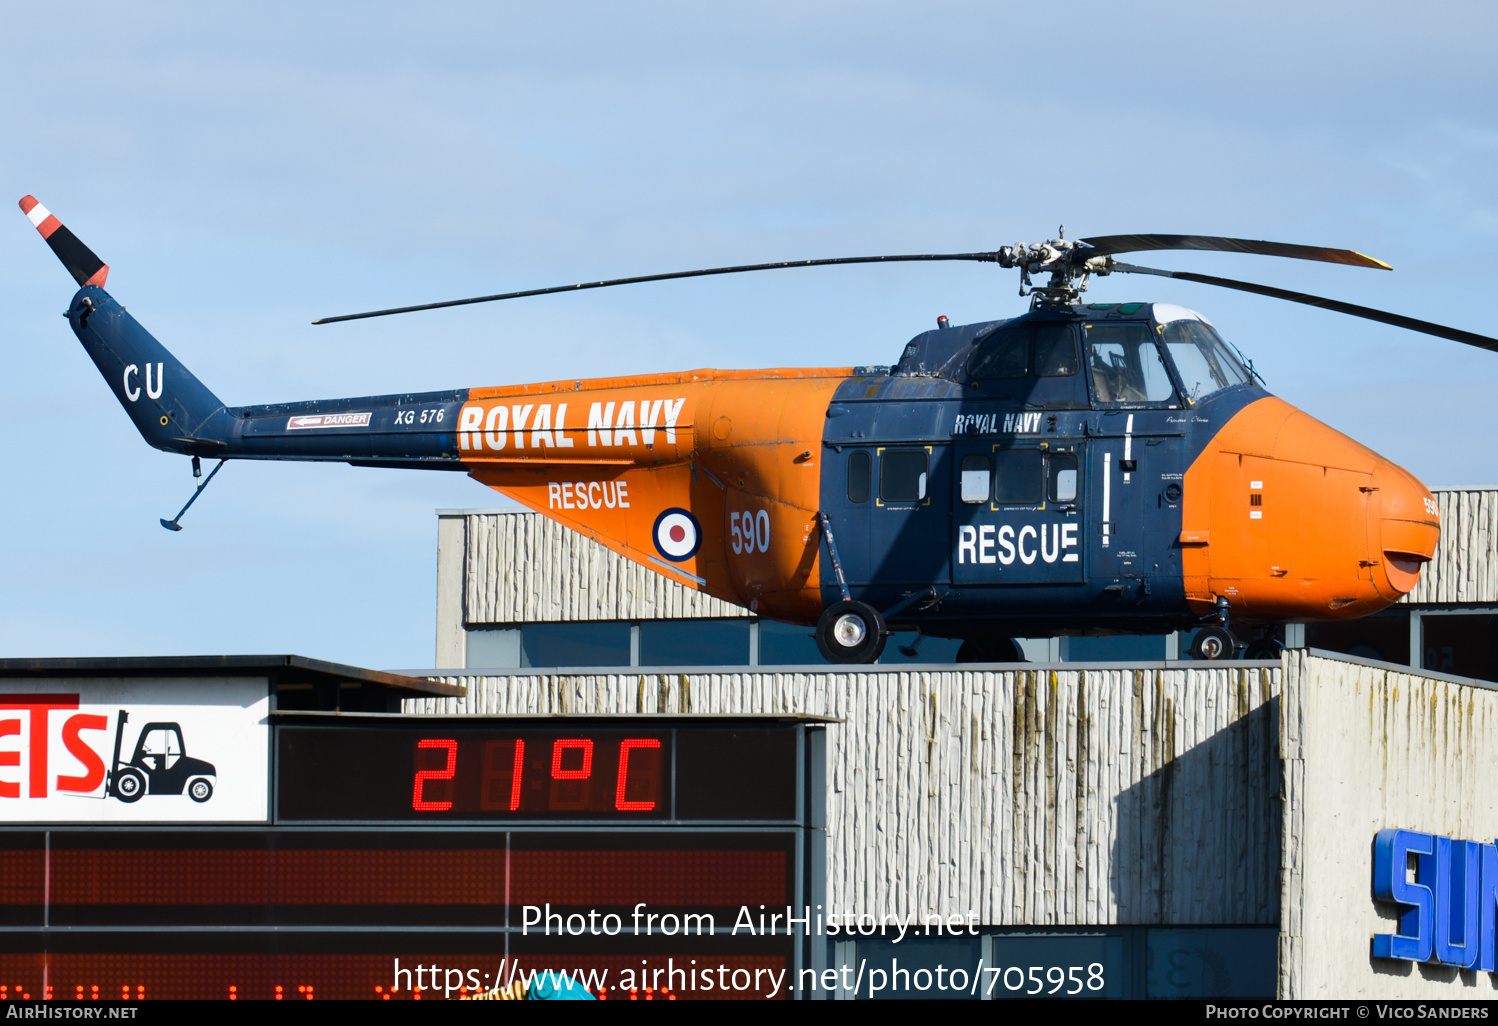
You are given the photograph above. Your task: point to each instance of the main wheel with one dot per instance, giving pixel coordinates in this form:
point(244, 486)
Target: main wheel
point(850, 632)
point(200, 790)
point(129, 785)
point(990, 650)
point(1214, 643)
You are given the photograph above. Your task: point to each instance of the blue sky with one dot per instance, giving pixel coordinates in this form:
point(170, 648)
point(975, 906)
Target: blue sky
point(245, 168)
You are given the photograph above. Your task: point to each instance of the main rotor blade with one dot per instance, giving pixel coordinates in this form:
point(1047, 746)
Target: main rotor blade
point(982, 257)
point(1398, 320)
point(1107, 244)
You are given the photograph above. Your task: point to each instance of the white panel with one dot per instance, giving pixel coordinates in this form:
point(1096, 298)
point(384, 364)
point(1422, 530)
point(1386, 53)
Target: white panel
point(221, 722)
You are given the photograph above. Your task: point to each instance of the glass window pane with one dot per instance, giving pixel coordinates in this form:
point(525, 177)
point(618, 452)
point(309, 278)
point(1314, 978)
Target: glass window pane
point(1055, 350)
point(1063, 477)
point(1465, 645)
point(1199, 357)
point(1020, 476)
point(975, 474)
point(902, 475)
point(859, 476)
point(787, 644)
point(496, 647)
point(927, 650)
point(1119, 648)
point(1230, 962)
point(1126, 366)
point(575, 644)
point(1227, 361)
point(1004, 354)
point(694, 643)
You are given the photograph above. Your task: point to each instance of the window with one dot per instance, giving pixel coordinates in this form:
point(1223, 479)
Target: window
point(974, 482)
point(787, 644)
point(902, 475)
point(574, 644)
point(1201, 358)
point(1020, 477)
point(1004, 354)
point(694, 642)
point(859, 476)
point(1063, 477)
point(1049, 347)
point(1055, 350)
point(1126, 365)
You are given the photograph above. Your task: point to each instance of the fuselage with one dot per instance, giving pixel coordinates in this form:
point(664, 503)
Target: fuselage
point(1075, 470)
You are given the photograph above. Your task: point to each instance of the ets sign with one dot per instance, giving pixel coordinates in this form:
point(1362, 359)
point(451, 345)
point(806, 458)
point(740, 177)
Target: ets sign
point(134, 750)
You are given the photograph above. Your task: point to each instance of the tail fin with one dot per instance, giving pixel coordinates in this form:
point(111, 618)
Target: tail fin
point(170, 407)
point(80, 261)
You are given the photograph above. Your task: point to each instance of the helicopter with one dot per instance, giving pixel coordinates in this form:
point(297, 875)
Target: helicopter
point(1079, 469)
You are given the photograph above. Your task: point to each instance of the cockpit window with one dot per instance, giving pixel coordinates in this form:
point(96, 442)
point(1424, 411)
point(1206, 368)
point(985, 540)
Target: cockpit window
point(1055, 350)
point(1047, 347)
point(1004, 354)
point(1201, 357)
point(1125, 362)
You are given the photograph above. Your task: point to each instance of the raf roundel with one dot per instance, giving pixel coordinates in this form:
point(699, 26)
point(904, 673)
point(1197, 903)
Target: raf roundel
point(678, 536)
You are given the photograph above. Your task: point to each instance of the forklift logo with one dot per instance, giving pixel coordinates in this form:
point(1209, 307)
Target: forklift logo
point(160, 764)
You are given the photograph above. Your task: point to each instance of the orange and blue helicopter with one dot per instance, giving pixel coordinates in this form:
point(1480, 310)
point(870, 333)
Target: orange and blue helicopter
point(1081, 469)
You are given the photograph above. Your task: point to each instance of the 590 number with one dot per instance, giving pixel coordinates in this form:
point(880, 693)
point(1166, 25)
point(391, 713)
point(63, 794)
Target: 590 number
point(750, 531)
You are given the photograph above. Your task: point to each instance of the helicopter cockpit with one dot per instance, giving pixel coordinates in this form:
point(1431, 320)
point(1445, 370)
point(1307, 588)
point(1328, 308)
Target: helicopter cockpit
point(1134, 355)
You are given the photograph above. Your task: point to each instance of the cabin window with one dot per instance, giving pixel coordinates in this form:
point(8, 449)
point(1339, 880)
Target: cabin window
point(902, 475)
point(1201, 357)
point(1004, 354)
point(1126, 365)
point(974, 481)
point(1063, 477)
point(1019, 478)
point(1055, 350)
point(859, 476)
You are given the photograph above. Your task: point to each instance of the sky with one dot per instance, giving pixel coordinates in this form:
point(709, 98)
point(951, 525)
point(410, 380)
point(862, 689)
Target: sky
point(246, 168)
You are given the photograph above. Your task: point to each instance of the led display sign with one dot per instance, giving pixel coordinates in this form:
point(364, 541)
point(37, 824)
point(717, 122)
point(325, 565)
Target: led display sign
point(404, 842)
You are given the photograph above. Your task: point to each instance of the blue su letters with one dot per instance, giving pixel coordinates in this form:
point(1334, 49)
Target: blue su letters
point(1450, 909)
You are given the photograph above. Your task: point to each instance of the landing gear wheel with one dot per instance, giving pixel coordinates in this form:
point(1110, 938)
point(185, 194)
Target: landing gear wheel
point(990, 650)
point(850, 632)
point(129, 785)
point(1264, 648)
point(1214, 643)
point(200, 790)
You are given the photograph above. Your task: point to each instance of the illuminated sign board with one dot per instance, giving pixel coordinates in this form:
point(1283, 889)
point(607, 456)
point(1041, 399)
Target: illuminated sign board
point(1447, 891)
point(481, 850)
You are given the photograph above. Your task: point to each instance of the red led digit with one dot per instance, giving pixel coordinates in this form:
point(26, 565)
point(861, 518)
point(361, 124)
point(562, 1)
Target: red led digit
point(557, 773)
point(515, 779)
point(446, 773)
point(624, 747)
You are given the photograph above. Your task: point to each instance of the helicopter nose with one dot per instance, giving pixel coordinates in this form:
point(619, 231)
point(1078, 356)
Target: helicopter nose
point(1408, 528)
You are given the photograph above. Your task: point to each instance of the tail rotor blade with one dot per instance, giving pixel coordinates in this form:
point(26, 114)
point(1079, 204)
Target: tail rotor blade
point(82, 264)
point(1106, 245)
point(1382, 316)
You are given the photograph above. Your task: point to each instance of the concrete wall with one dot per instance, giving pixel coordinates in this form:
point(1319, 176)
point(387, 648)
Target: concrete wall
point(503, 566)
point(1056, 795)
point(1465, 570)
point(1368, 746)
